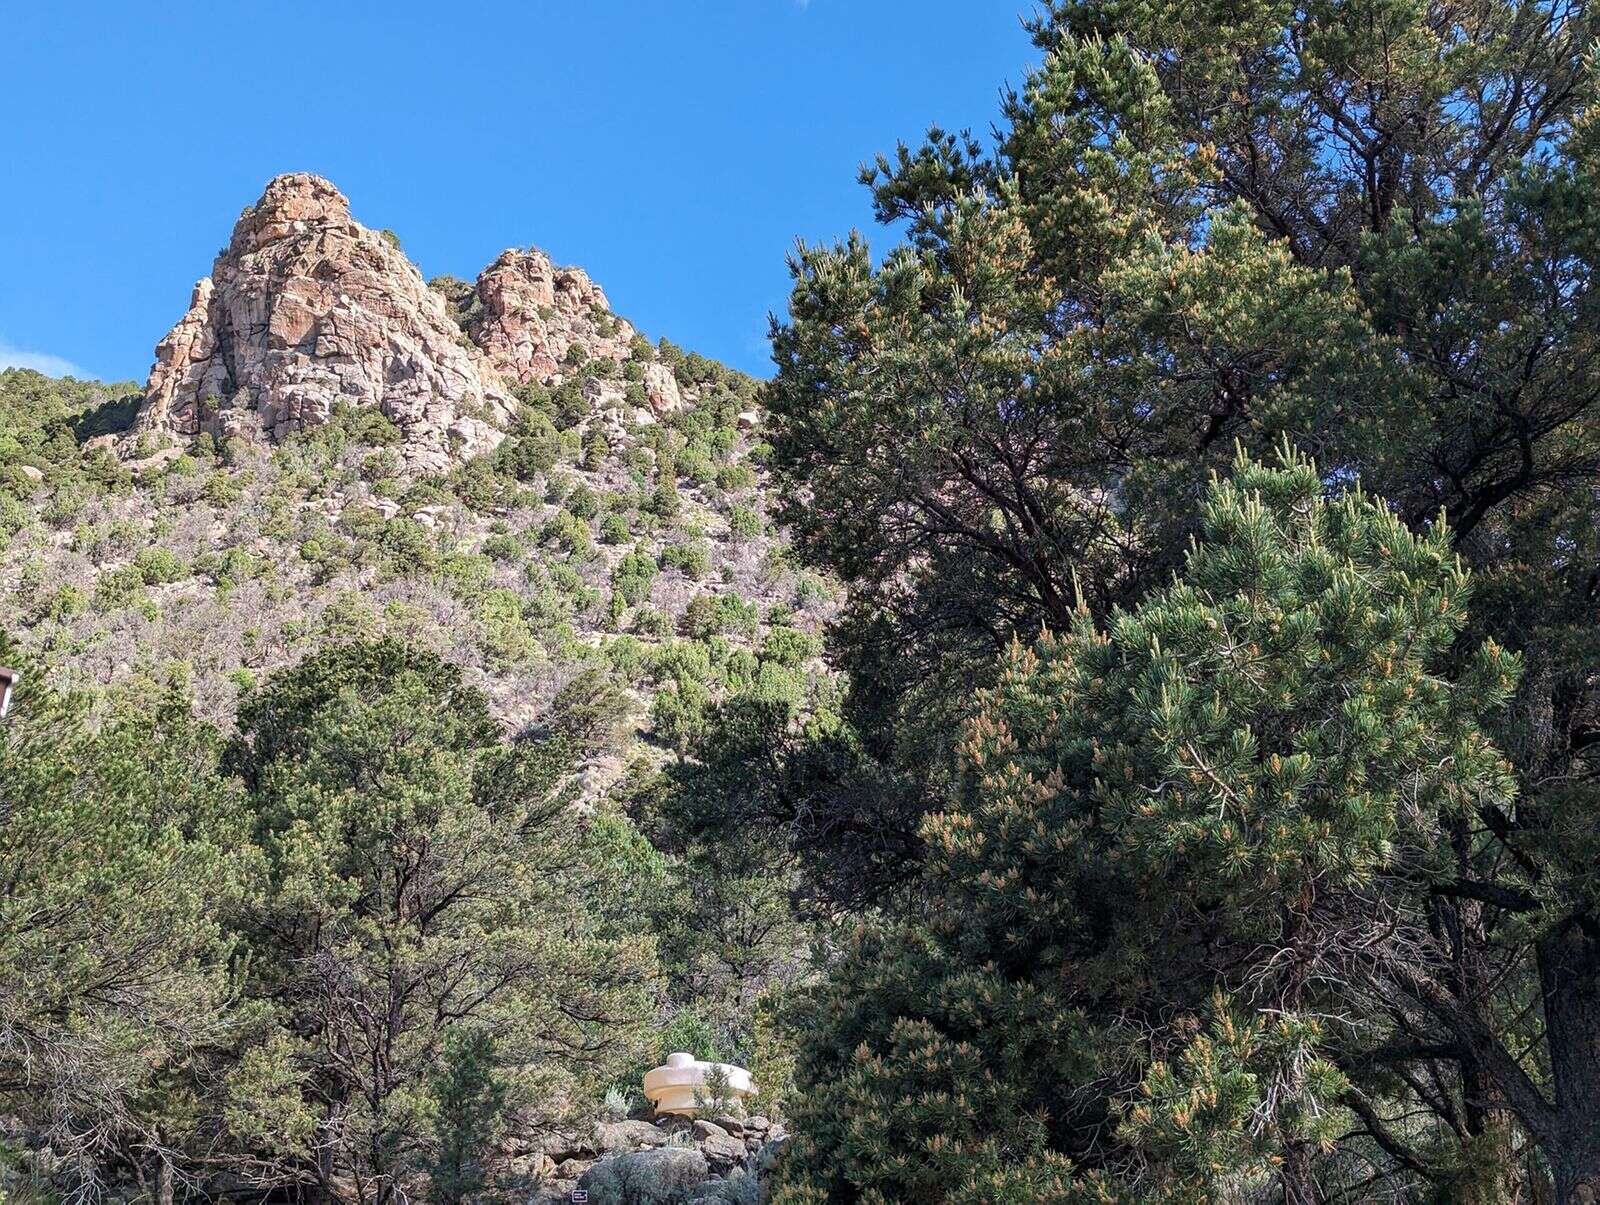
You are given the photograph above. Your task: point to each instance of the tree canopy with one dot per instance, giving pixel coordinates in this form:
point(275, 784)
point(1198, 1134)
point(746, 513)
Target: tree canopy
point(1369, 230)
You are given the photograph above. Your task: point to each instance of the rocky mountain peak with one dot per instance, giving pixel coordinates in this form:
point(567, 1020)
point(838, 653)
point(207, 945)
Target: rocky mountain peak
point(533, 313)
point(307, 308)
point(290, 198)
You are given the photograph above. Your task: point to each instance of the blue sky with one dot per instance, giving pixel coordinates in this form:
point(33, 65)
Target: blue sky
point(675, 149)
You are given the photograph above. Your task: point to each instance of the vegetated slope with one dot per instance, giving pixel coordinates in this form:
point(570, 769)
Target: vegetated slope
point(377, 497)
point(601, 529)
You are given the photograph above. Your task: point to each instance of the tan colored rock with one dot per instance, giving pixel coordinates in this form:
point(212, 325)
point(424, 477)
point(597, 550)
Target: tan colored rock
point(534, 313)
point(632, 1135)
point(307, 308)
point(661, 387)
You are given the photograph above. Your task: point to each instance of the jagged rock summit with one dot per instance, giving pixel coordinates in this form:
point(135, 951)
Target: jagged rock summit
point(530, 315)
point(307, 308)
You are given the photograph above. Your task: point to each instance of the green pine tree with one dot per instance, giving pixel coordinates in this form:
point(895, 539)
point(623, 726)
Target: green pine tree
point(1188, 894)
point(471, 1102)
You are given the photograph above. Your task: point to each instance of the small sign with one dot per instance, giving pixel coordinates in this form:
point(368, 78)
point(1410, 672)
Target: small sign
point(580, 1196)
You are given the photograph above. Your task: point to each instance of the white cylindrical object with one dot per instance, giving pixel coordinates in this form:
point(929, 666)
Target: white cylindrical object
point(671, 1086)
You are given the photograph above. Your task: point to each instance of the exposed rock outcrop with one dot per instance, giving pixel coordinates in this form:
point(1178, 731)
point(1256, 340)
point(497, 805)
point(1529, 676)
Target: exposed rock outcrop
point(306, 308)
point(534, 313)
point(531, 315)
point(674, 1159)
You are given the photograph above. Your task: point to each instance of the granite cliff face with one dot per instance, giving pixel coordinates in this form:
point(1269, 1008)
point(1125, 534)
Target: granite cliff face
point(306, 308)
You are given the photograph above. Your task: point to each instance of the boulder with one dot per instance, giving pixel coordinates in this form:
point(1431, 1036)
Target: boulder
point(645, 1177)
point(614, 1136)
point(708, 1129)
point(723, 1152)
point(661, 388)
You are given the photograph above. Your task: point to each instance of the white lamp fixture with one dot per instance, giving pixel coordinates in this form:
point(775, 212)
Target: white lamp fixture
point(8, 679)
point(671, 1087)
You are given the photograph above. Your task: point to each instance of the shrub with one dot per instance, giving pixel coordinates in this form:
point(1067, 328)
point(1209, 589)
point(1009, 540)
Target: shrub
point(735, 477)
point(788, 646)
point(649, 622)
point(697, 467)
point(811, 591)
point(407, 547)
point(693, 559)
point(678, 715)
point(664, 500)
point(713, 614)
point(626, 656)
point(526, 457)
point(380, 465)
point(582, 502)
point(157, 565)
point(614, 529)
point(65, 601)
point(117, 588)
point(744, 524)
point(568, 532)
point(506, 549)
point(507, 639)
point(634, 576)
point(591, 711)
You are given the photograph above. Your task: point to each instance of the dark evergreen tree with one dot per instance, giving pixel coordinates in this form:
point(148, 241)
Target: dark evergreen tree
point(423, 877)
point(1370, 228)
point(1185, 915)
point(122, 856)
point(470, 1105)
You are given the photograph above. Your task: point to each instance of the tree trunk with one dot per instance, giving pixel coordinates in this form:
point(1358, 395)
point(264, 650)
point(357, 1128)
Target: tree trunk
point(164, 1183)
point(1577, 1177)
point(1569, 973)
point(1299, 1185)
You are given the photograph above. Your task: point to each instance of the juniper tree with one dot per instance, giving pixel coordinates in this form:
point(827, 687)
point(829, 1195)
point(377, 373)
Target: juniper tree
point(424, 882)
point(1188, 912)
point(470, 1113)
point(1369, 228)
point(121, 855)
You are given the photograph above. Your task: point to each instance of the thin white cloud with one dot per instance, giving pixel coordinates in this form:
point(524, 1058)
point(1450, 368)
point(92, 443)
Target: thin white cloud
point(12, 356)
